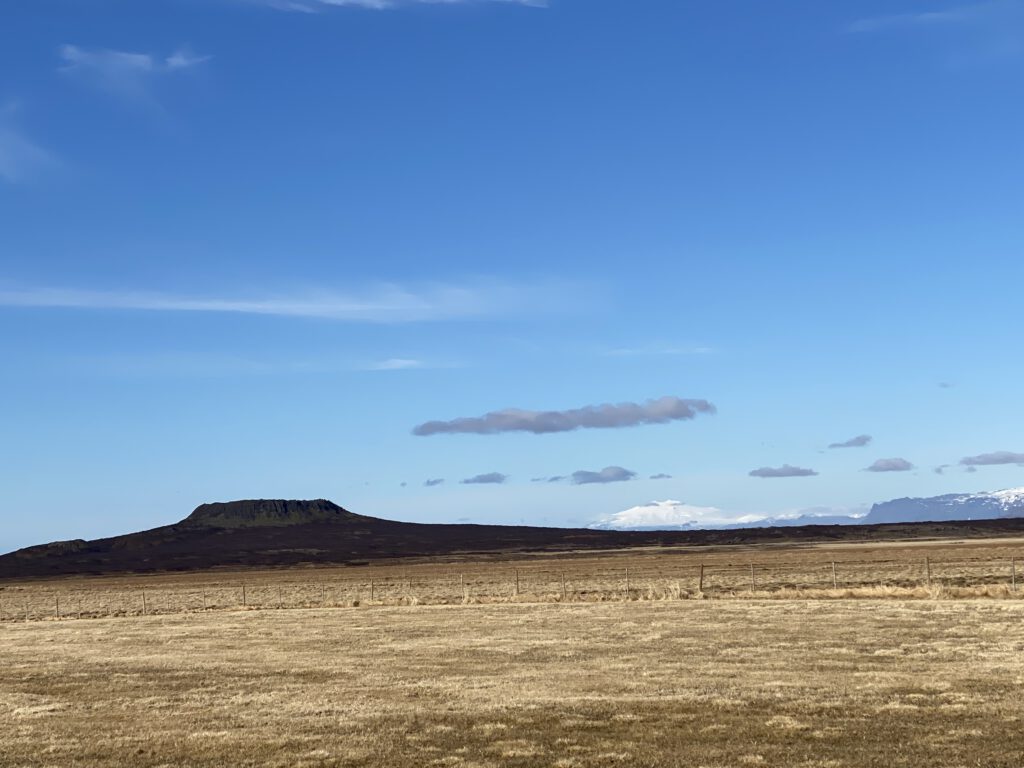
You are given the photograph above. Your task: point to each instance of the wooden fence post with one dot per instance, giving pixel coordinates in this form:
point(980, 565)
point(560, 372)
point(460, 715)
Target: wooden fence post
point(323, 596)
point(627, 584)
point(517, 583)
point(56, 608)
point(835, 577)
point(563, 586)
point(245, 601)
point(928, 571)
point(462, 585)
point(700, 580)
point(145, 608)
point(371, 590)
point(753, 583)
point(1013, 574)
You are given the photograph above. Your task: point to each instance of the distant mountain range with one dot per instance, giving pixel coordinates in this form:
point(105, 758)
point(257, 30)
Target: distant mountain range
point(266, 533)
point(676, 516)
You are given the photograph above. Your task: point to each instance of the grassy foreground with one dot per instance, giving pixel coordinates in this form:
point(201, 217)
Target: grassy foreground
point(771, 683)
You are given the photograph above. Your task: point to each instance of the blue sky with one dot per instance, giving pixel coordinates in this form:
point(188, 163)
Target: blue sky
point(247, 247)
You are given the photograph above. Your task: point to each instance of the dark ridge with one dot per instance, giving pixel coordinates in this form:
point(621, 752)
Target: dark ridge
point(266, 512)
point(266, 534)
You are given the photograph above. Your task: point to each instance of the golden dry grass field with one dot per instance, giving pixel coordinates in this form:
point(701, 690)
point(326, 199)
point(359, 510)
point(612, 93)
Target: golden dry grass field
point(448, 667)
point(913, 569)
point(689, 683)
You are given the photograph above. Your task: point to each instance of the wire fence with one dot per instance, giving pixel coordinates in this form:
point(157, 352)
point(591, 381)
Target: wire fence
point(969, 577)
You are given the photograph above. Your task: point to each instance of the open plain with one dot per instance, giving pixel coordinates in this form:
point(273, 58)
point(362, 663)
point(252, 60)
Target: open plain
point(690, 683)
point(446, 665)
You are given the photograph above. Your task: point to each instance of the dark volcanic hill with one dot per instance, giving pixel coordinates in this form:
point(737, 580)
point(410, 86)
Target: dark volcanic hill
point(268, 533)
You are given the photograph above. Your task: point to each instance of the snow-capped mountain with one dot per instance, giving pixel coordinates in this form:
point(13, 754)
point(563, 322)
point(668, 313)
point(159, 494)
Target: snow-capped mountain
point(953, 506)
point(673, 515)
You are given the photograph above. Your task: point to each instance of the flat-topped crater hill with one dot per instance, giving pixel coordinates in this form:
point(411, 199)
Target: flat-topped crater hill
point(267, 533)
point(253, 513)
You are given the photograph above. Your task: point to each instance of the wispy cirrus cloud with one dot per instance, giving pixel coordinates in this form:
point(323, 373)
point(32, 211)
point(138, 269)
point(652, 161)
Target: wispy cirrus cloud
point(21, 159)
point(127, 75)
point(606, 416)
point(890, 465)
point(786, 470)
point(978, 32)
point(376, 304)
point(315, 6)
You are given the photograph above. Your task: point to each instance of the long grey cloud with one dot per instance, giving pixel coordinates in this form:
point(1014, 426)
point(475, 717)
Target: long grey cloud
point(606, 475)
point(433, 483)
point(491, 478)
point(786, 470)
point(854, 442)
point(993, 459)
point(890, 465)
point(607, 416)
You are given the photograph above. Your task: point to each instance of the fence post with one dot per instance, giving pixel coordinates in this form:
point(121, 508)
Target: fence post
point(26, 609)
point(517, 583)
point(371, 590)
point(462, 586)
point(928, 571)
point(835, 578)
point(56, 609)
point(753, 583)
point(563, 586)
point(323, 596)
point(245, 602)
point(145, 608)
point(700, 580)
point(1013, 574)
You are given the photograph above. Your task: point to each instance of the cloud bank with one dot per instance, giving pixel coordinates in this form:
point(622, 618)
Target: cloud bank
point(607, 416)
point(993, 459)
point(785, 470)
point(491, 478)
point(890, 465)
point(606, 475)
point(854, 442)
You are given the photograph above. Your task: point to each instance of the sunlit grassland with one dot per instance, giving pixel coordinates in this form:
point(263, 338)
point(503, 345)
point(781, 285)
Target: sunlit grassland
point(679, 683)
